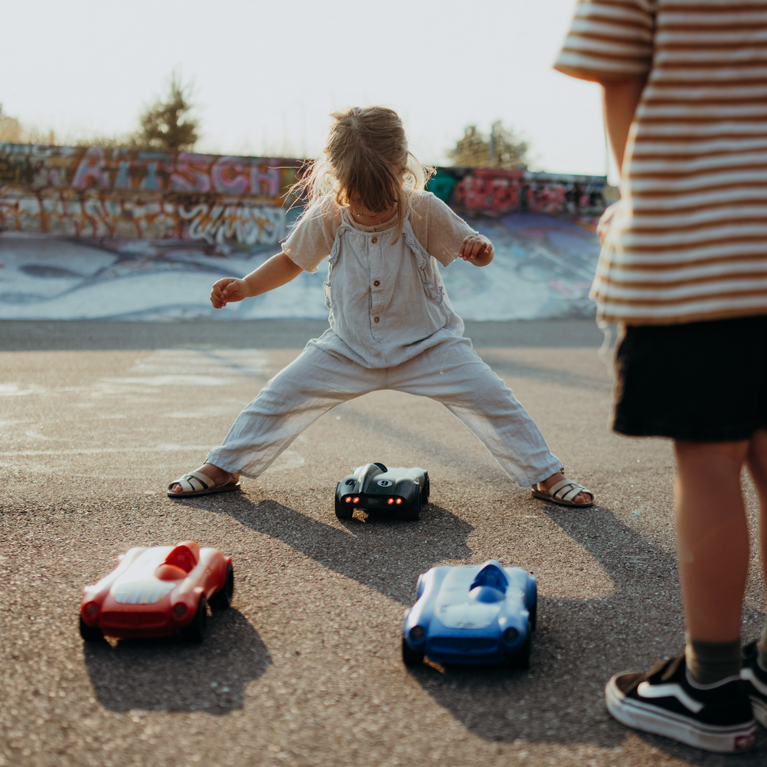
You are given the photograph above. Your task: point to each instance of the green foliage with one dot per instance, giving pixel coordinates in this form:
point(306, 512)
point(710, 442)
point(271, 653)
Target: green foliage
point(105, 142)
point(501, 149)
point(166, 124)
point(11, 130)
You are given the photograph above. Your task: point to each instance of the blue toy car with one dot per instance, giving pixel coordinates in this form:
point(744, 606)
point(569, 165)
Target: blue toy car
point(373, 486)
point(470, 614)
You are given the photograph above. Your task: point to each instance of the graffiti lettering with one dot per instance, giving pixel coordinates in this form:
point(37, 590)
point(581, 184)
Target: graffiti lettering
point(151, 218)
point(123, 170)
point(498, 192)
point(90, 171)
point(129, 193)
point(190, 173)
point(247, 226)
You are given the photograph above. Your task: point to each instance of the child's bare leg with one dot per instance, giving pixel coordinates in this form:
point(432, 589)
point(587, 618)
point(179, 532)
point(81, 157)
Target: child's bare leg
point(219, 476)
point(757, 467)
point(712, 537)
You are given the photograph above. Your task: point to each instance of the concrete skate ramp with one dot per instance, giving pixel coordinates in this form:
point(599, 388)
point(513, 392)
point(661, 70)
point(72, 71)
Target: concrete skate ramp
point(543, 268)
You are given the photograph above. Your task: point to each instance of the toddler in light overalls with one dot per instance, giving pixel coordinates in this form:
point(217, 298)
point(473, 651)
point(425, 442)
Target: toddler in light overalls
point(391, 323)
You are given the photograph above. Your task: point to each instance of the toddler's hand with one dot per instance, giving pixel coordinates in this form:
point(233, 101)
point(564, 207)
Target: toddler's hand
point(228, 290)
point(477, 249)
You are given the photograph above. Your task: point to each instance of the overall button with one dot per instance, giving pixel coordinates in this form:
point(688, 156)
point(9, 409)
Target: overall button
point(376, 319)
point(377, 283)
point(375, 239)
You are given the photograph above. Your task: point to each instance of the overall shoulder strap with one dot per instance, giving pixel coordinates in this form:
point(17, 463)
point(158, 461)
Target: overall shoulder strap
point(423, 261)
point(342, 229)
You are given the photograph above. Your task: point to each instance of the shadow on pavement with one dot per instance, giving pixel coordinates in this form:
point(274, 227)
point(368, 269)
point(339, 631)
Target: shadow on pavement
point(502, 367)
point(577, 647)
point(167, 675)
point(579, 644)
point(379, 552)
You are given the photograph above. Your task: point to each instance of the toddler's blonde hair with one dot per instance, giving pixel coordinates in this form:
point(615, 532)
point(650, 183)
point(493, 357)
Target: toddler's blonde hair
point(366, 159)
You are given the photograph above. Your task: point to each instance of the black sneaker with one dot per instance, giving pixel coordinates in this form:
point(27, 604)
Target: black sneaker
point(756, 683)
point(666, 701)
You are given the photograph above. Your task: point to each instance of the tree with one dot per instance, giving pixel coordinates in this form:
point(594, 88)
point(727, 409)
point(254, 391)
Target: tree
point(164, 125)
point(11, 130)
point(501, 149)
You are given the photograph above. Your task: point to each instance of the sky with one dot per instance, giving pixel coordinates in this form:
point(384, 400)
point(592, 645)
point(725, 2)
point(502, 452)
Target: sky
point(266, 75)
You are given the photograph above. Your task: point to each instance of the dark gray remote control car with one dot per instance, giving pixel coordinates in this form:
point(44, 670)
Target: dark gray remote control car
point(373, 486)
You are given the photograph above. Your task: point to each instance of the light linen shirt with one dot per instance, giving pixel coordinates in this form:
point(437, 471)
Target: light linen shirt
point(386, 299)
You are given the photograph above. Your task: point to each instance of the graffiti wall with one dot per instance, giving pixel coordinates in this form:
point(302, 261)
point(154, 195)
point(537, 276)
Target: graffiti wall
point(90, 233)
point(498, 192)
point(131, 194)
point(543, 268)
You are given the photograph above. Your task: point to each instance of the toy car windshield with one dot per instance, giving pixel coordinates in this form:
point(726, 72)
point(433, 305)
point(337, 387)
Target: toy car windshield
point(400, 491)
point(157, 592)
point(470, 614)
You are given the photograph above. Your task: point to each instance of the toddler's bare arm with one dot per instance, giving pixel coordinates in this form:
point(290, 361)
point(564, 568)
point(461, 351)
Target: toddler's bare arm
point(278, 270)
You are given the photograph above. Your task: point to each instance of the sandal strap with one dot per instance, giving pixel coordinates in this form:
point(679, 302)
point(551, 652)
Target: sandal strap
point(567, 489)
point(203, 481)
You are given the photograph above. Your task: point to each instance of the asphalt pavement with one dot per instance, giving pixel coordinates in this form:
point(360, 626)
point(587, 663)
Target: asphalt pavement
point(96, 418)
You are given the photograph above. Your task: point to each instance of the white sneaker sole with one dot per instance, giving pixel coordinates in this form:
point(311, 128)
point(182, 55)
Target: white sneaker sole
point(649, 718)
point(760, 710)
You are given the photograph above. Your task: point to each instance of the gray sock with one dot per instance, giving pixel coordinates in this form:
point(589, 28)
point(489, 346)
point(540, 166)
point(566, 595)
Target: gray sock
point(761, 648)
point(710, 662)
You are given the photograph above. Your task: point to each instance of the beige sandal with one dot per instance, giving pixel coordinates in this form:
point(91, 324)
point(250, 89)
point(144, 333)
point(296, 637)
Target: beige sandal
point(563, 493)
point(197, 483)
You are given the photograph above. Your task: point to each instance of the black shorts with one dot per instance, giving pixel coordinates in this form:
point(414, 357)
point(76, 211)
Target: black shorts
point(697, 382)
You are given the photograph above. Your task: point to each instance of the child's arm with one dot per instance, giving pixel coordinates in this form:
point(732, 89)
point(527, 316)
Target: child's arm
point(278, 270)
point(477, 250)
point(620, 99)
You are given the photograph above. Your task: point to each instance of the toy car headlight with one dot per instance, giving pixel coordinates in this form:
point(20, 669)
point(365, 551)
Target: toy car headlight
point(179, 610)
point(90, 610)
point(417, 633)
point(510, 635)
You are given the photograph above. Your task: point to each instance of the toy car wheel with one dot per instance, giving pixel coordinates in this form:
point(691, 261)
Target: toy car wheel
point(411, 657)
point(344, 510)
point(521, 658)
point(533, 619)
point(223, 597)
point(195, 631)
point(425, 491)
point(411, 512)
point(90, 633)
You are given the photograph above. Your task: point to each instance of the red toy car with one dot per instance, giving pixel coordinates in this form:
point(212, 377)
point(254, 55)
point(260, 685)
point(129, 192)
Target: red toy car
point(156, 592)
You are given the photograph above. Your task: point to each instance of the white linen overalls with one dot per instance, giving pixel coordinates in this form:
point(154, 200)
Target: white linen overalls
point(391, 327)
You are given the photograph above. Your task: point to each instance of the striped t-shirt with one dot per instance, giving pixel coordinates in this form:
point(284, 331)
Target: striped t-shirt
point(689, 240)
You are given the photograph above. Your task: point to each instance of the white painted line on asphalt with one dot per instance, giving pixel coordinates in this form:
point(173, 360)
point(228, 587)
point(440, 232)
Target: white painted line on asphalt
point(101, 450)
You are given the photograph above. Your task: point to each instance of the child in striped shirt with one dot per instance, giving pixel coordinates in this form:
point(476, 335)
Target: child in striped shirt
point(683, 271)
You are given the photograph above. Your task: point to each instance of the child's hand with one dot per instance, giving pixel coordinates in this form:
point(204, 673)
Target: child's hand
point(606, 220)
point(228, 290)
point(477, 249)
